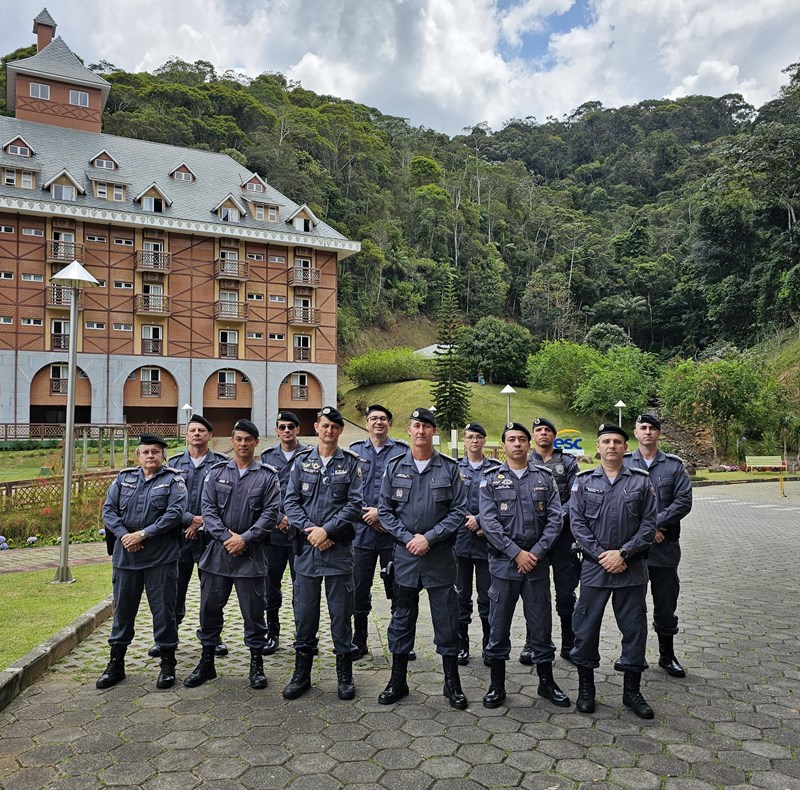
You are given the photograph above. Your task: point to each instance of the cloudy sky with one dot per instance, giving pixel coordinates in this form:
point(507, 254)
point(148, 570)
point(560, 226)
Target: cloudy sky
point(448, 64)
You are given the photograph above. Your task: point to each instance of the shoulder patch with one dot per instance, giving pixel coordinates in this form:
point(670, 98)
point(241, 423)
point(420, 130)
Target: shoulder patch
point(636, 470)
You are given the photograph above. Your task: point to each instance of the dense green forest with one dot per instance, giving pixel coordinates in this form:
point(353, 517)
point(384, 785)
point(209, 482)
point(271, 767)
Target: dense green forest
point(673, 219)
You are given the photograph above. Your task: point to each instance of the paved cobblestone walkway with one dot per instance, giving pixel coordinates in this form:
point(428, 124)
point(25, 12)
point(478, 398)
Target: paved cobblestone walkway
point(733, 722)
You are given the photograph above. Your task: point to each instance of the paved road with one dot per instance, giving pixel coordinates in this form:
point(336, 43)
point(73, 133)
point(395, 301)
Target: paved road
point(733, 722)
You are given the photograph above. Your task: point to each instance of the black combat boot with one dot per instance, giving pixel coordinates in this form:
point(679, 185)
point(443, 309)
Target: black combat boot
point(632, 696)
point(487, 628)
point(221, 649)
point(166, 677)
point(526, 654)
point(301, 680)
point(258, 680)
point(346, 686)
point(547, 686)
point(567, 637)
point(463, 644)
point(452, 683)
point(115, 671)
point(204, 671)
point(360, 626)
point(586, 691)
point(154, 652)
point(397, 687)
point(666, 657)
point(273, 632)
point(497, 685)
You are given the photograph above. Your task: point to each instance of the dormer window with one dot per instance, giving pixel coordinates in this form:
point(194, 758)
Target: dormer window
point(272, 213)
point(40, 91)
point(228, 214)
point(182, 173)
point(63, 192)
point(63, 186)
point(153, 199)
point(104, 164)
point(103, 160)
point(18, 150)
point(153, 204)
point(254, 186)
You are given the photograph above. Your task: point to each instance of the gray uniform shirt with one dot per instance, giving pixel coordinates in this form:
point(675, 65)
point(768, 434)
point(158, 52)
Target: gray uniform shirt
point(432, 503)
point(606, 516)
point(274, 457)
point(328, 497)
point(245, 504)
point(520, 513)
point(468, 543)
point(673, 501)
point(155, 505)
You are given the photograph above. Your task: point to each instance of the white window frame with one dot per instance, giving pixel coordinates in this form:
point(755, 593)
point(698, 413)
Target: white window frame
point(79, 98)
point(101, 190)
point(67, 192)
point(6, 275)
point(10, 177)
point(277, 336)
point(255, 256)
point(18, 150)
point(277, 259)
point(182, 175)
point(154, 205)
point(255, 335)
point(254, 297)
point(104, 164)
point(28, 277)
point(123, 327)
point(118, 193)
point(6, 229)
point(229, 214)
point(259, 213)
point(27, 180)
point(277, 299)
point(123, 285)
point(32, 322)
point(37, 232)
point(94, 325)
point(272, 214)
point(38, 90)
point(96, 239)
point(255, 186)
point(6, 319)
point(123, 242)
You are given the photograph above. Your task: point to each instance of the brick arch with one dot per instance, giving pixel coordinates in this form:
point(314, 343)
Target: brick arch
point(226, 402)
point(149, 401)
point(48, 396)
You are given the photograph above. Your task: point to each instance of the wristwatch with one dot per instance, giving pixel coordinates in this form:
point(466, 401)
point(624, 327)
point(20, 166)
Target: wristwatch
point(142, 534)
point(624, 553)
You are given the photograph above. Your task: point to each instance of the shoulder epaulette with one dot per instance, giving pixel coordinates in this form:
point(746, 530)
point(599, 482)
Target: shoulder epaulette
point(494, 461)
point(172, 469)
point(674, 457)
point(448, 457)
point(584, 472)
point(174, 458)
point(396, 458)
point(303, 450)
point(351, 453)
point(220, 463)
point(629, 454)
point(640, 471)
point(129, 469)
point(268, 466)
point(402, 443)
point(543, 468)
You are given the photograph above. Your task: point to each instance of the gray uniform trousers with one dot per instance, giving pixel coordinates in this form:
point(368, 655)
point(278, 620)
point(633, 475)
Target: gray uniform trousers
point(307, 605)
point(444, 615)
point(215, 590)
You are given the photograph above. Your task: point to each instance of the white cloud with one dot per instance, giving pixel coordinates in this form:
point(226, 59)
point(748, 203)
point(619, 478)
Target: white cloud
point(444, 63)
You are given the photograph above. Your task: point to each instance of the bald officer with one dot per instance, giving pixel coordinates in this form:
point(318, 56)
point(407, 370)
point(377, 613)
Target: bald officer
point(613, 517)
point(674, 501)
point(422, 504)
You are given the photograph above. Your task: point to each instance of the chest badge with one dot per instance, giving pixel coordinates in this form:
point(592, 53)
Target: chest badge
point(503, 507)
point(305, 486)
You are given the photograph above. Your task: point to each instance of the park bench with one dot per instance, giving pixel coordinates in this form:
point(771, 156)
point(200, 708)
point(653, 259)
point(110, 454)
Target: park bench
point(764, 463)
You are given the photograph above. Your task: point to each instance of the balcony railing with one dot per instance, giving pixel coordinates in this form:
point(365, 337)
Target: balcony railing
point(153, 261)
point(152, 304)
point(151, 389)
point(304, 315)
point(58, 386)
point(61, 296)
point(152, 346)
point(59, 342)
point(230, 269)
point(230, 311)
point(300, 275)
point(226, 390)
point(229, 350)
point(302, 354)
point(67, 251)
point(299, 392)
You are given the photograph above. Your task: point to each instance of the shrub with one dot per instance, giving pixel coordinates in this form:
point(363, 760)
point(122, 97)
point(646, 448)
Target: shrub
point(385, 367)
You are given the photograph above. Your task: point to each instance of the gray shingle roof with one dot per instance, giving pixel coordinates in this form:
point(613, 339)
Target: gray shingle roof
point(58, 62)
point(43, 18)
point(140, 164)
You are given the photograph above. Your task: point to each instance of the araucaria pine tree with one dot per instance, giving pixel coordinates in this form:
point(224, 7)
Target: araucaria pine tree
point(450, 392)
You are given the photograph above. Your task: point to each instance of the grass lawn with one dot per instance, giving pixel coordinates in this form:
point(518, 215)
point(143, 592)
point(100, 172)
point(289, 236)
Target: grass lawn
point(32, 609)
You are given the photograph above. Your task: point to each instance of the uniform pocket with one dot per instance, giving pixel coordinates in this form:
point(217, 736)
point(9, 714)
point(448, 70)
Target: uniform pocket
point(401, 489)
point(633, 504)
point(592, 506)
point(506, 503)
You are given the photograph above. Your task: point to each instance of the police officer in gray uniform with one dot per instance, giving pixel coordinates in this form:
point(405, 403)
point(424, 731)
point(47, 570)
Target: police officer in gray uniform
point(279, 550)
point(471, 548)
point(193, 465)
point(423, 503)
point(613, 519)
point(521, 516)
point(674, 497)
point(566, 566)
point(240, 503)
point(323, 503)
point(372, 542)
point(142, 515)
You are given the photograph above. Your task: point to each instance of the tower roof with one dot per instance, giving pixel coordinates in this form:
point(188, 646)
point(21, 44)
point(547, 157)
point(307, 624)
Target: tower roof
point(43, 18)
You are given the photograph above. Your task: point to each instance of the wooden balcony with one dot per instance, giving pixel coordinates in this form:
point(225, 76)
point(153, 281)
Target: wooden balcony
point(227, 269)
point(59, 297)
point(229, 350)
point(151, 304)
point(152, 347)
point(302, 276)
point(302, 354)
point(151, 261)
point(230, 311)
point(303, 316)
point(65, 251)
point(150, 389)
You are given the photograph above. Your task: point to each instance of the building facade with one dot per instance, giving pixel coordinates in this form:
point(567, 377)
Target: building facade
point(216, 290)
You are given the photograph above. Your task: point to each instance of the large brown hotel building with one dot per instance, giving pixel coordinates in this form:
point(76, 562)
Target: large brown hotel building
point(215, 289)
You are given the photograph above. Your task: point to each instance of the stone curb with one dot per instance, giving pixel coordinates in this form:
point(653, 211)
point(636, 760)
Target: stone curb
point(30, 667)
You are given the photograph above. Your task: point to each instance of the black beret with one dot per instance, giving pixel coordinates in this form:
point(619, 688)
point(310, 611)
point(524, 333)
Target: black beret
point(544, 421)
point(287, 416)
point(203, 421)
point(247, 427)
point(650, 420)
point(423, 415)
point(151, 438)
point(475, 427)
point(378, 407)
point(610, 427)
point(515, 426)
point(333, 414)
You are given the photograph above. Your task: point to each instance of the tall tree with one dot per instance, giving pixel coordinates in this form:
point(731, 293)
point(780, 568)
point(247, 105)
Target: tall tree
point(450, 392)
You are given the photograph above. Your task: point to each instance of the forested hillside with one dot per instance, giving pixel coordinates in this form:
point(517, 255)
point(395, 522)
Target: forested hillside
point(672, 219)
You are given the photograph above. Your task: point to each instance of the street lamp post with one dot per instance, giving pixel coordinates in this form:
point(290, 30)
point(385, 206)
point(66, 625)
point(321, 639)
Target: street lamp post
point(74, 277)
point(508, 391)
point(187, 410)
point(619, 406)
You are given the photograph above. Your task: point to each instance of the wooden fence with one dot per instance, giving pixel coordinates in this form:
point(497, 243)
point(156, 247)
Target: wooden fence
point(46, 492)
